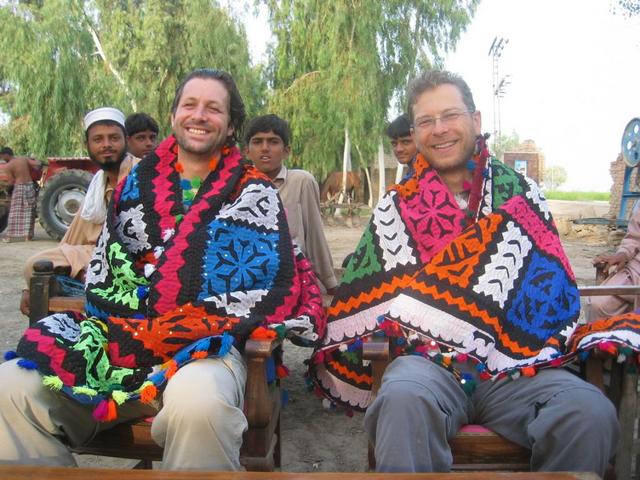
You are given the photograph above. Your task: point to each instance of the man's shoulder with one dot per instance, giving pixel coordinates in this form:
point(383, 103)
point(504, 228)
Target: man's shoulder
point(301, 176)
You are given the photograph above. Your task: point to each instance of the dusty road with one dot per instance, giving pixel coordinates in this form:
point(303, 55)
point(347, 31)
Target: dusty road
point(313, 438)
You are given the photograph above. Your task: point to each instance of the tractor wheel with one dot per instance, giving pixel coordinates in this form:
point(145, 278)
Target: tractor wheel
point(60, 199)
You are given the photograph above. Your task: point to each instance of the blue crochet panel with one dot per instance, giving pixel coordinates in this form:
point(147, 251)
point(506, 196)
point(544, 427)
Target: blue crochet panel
point(130, 191)
point(238, 258)
point(545, 299)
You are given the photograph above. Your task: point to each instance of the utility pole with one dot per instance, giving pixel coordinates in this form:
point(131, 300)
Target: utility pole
point(499, 84)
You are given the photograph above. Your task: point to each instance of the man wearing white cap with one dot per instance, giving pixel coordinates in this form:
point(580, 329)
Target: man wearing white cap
point(106, 145)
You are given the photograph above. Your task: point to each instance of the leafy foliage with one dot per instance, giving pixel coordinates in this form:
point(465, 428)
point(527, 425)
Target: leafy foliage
point(554, 177)
point(505, 143)
point(62, 58)
point(628, 8)
point(340, 64)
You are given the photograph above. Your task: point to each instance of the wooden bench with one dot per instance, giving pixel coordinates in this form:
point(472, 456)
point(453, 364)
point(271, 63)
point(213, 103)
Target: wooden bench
point(17, 472)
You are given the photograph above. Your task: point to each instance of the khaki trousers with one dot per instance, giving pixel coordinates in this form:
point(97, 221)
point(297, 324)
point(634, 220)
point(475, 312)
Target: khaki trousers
point(200, 423)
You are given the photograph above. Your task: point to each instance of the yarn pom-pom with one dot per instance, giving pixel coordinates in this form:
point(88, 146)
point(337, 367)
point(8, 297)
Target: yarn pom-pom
point(282, 371)
point(262, 333)
point(112, 411)
point(462, 357)
point(84, 390)
point(10, 355)
point(528, 371)
point(468, 383)
point(608, 347)
point(556, 362)
point(119, 396)
point(281, 331)
point(148, 393)
point(27, 364)
point(142, 292)
point(101, 411)
point(171, 367)
point(53, 382)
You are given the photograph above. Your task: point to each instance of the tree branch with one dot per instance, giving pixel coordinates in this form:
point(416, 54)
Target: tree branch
point(112, 69)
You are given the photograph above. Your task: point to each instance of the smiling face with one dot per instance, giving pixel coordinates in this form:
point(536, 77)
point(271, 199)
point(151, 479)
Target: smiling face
point(106, 145)
point(201, 121)
point(447, 144)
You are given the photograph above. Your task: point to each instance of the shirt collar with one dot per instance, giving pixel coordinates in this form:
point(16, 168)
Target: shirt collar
point(282, 174)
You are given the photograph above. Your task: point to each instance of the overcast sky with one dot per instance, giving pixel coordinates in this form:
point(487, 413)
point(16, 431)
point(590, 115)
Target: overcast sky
point(575, 78)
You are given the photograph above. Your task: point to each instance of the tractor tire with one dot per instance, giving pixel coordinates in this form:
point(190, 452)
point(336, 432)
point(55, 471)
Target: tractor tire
point(60, 199)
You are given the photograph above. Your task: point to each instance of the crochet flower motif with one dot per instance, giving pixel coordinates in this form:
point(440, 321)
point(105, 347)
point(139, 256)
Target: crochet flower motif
point(239, 259)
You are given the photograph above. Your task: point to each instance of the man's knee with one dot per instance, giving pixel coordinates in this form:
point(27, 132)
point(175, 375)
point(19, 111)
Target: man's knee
point(589, 411)
point(204, 389)
point(17, 383)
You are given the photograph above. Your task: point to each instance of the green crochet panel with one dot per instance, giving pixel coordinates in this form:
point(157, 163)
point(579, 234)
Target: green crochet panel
point(126, 281)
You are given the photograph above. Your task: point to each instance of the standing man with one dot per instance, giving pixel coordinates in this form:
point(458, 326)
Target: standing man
point(267, 140)
point(399, 133)
point(142, 134)
point(463, 269)
point(22, 212)
point(194, 255)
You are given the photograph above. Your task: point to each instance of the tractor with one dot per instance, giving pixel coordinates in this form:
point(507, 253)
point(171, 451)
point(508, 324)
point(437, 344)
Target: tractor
point(63, 187)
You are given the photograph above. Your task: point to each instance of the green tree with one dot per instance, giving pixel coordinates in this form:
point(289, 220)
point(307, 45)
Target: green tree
point(338, 65)
point(63, 57)
point(504, 143)
point(554, 177)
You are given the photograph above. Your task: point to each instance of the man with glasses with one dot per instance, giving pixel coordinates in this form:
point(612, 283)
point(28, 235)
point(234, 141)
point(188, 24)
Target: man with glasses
point(462, 268)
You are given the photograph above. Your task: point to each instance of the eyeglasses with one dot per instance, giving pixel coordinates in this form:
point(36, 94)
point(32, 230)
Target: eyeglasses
point(447, 119)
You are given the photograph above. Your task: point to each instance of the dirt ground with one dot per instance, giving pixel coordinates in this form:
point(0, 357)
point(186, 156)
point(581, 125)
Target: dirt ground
point(314, 438)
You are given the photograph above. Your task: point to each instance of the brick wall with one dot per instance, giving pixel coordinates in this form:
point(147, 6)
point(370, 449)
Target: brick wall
point(616, 169)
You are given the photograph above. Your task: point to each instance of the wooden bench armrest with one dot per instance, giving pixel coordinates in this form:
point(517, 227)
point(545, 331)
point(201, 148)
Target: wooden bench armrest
point(377, 348)
point(597, 290)
point(262, 348)
point(259, 408)
point(377, 351)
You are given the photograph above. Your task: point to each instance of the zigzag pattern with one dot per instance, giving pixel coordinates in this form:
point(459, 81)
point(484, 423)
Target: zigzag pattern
point(340, 307)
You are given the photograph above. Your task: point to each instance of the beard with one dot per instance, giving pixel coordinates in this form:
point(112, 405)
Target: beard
point(110, 165)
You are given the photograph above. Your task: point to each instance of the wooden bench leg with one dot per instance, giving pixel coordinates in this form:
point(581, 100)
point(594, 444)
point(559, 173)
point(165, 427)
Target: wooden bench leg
point(627, 445)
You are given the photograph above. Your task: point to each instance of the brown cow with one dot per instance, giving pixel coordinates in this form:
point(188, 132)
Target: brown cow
point(332, 187)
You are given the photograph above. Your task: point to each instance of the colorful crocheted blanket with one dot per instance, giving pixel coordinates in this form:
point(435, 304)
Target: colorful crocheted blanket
point(168, 285)
point(489, 284)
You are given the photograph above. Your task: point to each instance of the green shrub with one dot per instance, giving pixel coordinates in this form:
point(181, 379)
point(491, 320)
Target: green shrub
point(577, 196)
